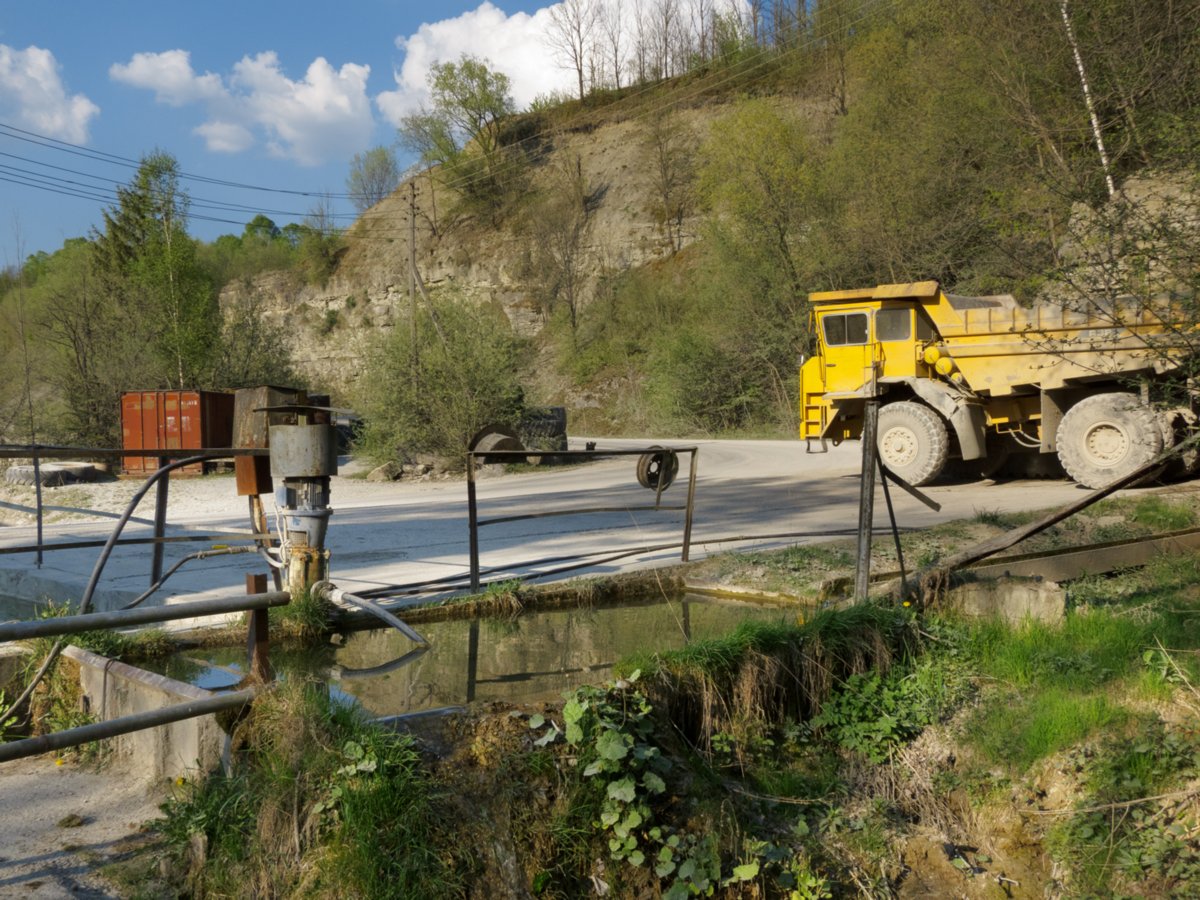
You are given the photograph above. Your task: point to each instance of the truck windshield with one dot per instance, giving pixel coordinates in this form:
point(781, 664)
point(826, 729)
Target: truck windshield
point(850, 328)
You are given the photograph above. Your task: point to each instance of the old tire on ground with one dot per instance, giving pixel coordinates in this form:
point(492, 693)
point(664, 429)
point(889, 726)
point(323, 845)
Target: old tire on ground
point(913, 442)
point(496, 437)
point(1107, 436)
point(654, 467)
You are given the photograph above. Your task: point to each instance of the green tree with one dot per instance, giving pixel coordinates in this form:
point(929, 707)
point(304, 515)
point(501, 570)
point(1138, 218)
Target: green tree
point(145, 257)
point(373, 175)
point(430, 386)
point(560, 251)
point(94, 354)
point(756, 174)
point(319, 242)
point(461, 131)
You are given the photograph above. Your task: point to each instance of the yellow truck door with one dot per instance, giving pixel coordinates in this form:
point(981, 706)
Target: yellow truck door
point(848, 357)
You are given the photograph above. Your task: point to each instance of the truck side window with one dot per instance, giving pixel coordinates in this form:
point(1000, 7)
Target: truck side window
point(893, 325)
point(925, 329)
point(847, 329)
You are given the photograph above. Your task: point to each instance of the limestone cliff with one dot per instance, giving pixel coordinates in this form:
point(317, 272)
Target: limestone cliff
point(621, 168)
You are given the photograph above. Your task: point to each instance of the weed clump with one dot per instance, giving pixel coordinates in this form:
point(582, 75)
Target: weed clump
point(319, 802)
point(307, 619)
point(774, 672)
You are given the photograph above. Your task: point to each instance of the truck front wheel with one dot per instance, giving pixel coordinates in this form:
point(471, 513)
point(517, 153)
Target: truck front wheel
point(1107, 436)
point(913, 441)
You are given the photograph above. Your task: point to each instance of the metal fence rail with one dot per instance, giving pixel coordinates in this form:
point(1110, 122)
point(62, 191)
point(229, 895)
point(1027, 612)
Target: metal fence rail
point(122, 618)
point(38, 452)
point(475, 523)
point(255, 603)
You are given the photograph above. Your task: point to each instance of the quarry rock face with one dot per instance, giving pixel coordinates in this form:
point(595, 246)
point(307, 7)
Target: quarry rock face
point(329, 326)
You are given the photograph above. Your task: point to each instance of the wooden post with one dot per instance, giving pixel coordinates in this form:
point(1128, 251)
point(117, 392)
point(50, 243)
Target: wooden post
point(866, 501)
point(259, 524)
point(258, 659)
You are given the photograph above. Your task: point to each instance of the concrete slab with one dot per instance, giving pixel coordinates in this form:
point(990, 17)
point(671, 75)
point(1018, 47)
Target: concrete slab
point(113, 689)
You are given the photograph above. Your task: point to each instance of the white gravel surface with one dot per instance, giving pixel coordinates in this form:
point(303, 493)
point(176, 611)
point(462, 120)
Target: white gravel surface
point(42, 853)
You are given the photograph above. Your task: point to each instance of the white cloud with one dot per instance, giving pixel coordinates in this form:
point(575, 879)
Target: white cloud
point(326, 116)
point(33, 96)
point(225, 137)
point(515, 45)
point(170, 76)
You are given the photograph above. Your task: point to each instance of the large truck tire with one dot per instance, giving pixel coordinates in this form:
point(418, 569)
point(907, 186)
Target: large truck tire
point(913, 441)
point(1107, 436)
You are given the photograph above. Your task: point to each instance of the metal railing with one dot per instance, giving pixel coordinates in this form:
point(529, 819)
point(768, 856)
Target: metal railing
point(256, 604)
point(475, 523)
point(170, 458)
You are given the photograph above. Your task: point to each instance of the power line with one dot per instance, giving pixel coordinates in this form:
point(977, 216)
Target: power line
point(41, 140)
point(193, 201)
point(748, 67)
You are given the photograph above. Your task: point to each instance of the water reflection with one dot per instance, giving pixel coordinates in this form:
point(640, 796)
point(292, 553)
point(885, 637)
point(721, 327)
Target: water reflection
point(533, 657)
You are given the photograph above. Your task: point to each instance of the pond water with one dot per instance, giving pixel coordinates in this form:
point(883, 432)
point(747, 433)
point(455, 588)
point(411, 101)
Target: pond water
point(533, 657)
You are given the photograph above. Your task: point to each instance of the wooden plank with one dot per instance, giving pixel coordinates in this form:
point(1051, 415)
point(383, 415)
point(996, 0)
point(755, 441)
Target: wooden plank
point(1072, 564)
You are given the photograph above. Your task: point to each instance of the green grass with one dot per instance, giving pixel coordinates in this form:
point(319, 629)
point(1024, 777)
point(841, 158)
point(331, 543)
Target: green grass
point(316, 783)
point(1116, 845)
point(306, 618)
point(1084, 651)
point(1159, 514)
point(1018, 730)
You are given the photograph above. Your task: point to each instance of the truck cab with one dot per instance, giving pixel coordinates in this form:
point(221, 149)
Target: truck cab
point(865, 338)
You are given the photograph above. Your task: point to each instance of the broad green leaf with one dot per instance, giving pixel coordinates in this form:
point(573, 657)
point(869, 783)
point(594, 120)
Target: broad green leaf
point(611, 745)
point(653, 783)
point(624, 790)
point(744, 872)
point(573, 711)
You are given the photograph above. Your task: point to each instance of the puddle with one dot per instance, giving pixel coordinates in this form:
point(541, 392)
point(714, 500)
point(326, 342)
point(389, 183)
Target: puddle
point(534, 657)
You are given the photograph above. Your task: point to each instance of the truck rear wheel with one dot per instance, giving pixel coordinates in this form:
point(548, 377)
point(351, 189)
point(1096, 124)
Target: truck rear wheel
point(1107, 436)
point(912, 441)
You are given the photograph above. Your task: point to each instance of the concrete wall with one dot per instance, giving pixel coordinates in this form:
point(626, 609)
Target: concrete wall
point(12, 659)
point(112, 689)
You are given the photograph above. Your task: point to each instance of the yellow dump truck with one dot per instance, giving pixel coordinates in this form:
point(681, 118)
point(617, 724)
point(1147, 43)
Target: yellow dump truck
point(979, 377)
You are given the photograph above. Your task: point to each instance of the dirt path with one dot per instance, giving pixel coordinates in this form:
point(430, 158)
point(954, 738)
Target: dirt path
point(41, 854)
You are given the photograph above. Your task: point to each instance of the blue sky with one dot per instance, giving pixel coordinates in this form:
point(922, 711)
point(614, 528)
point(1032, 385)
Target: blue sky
point(264, 94)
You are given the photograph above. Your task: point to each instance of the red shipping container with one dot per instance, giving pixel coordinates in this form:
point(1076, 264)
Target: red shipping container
point(174, 420)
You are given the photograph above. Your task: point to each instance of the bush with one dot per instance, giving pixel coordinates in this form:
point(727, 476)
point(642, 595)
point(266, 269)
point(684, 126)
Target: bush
point(431, 394)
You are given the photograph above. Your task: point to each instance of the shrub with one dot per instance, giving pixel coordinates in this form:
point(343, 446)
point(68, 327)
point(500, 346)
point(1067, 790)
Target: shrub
point(433, 393)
